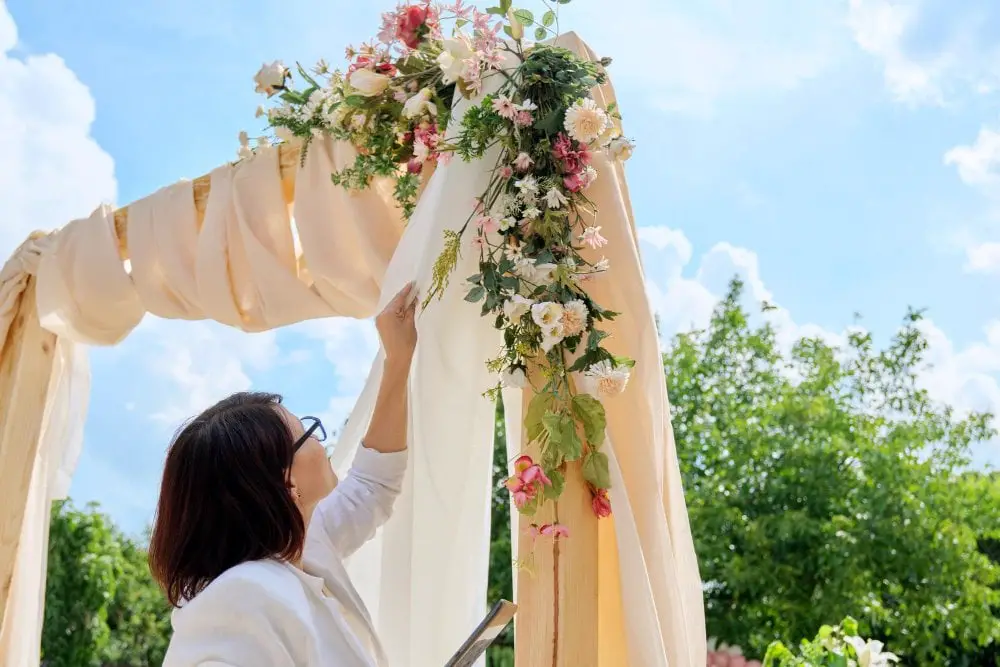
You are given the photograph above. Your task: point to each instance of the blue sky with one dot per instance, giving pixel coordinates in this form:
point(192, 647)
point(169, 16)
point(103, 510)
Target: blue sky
point(841, 155)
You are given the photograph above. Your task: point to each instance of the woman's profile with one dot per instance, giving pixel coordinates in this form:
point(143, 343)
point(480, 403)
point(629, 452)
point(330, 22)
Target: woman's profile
point(252, 525)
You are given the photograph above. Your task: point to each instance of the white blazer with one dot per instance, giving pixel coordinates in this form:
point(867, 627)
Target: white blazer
point(271, 614)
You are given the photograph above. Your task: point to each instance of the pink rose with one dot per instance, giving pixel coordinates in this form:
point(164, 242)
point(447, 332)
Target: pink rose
point(410, 24)
point(414, 166)
point(574, 182)
point(601, 504)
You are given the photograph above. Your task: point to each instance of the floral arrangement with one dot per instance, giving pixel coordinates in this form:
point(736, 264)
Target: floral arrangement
point(724, 655)
point(833, 646)
point(394, 101)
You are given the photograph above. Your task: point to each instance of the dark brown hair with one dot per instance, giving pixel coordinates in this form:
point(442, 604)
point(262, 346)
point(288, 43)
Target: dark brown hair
point(225, 496)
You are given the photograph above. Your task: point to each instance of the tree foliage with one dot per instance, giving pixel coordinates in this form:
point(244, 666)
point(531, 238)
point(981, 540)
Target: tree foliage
point(102, 607)
point(825, 482)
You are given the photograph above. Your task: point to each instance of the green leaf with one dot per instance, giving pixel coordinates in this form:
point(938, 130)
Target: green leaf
point(540, 33)
point(461, 23)
point(595, 469)
point(355, 100)
point(505, 6)
point(594, 338)
point(548, 18)
point(558, 484)
point(507, 31)
point(475, 294)
point(590, 412)
point(524, 16)
point(496, 11)
point(539, 405)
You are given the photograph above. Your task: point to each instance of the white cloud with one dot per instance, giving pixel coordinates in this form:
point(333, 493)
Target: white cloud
point(200, 362)
point(51, 169)
point(978, 166)
point(931, 51)
point(967, 378)
point(689, 56)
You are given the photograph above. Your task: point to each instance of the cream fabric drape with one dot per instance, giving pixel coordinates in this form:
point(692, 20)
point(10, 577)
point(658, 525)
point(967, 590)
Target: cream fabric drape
point(424, 577)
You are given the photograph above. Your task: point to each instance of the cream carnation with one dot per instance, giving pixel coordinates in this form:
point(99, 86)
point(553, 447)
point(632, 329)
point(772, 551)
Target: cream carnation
point(610, 381)
point(517, 307)
point(585, 121)
point(547, 314)
point(574, 317)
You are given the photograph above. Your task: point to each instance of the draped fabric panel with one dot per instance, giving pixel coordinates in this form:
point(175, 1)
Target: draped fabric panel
point(253, 263)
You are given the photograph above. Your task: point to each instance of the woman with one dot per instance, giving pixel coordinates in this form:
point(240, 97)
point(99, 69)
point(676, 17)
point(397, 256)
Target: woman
point(252, 525)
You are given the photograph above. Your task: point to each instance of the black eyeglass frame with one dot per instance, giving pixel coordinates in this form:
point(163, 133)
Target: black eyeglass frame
point(311, 430)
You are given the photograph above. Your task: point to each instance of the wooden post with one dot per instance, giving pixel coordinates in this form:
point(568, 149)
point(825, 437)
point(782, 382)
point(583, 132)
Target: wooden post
point(26, 361)
point(557, 587)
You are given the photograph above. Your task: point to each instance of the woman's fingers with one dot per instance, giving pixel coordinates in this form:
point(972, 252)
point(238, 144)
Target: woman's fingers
point(403, 298)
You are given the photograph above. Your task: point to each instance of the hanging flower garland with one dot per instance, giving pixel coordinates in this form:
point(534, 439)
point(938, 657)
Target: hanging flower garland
point(528, 228)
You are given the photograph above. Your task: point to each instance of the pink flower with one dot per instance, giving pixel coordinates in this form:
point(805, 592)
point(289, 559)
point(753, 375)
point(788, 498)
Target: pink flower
point(573, 182)
point(414, 166)
point(535, 474)
point(523, 161)
point(458, 9)
point(521, 499)
point(553, 530)
point(488, 224)
point(504, 107)
point(572, 156)
point(737, 661)
point(506, 172)
point(514, 484)
point(592, 236)
point(522, 463)
point(478, 242)
point(400, 96)
point(411, 25)
point(445, 158)
point(601, 504)
point(524, 119)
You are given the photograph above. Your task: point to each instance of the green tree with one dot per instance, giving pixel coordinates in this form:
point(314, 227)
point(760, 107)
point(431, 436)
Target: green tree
point(102, 607)
point(825, 482)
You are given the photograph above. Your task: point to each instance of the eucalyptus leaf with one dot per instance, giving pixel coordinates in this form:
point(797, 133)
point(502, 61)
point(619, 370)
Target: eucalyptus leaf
point(524, 16)
point(475, 294)
point(548, 18)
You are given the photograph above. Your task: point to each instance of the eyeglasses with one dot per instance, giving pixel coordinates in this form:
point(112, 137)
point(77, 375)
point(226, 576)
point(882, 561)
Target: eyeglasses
point(313, 427)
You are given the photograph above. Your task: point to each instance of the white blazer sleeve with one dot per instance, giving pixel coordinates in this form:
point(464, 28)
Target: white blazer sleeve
point(363, 500)
point(234, 623)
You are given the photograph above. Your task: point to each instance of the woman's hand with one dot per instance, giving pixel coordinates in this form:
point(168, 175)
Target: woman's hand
point(397, 327)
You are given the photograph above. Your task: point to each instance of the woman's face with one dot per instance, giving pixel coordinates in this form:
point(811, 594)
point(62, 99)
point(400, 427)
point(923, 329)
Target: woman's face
point(312, 475)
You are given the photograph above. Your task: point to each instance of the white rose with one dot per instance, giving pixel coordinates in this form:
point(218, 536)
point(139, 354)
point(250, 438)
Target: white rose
point(517, 307)
point(546, 314)
point(271, 78)
point(369, 83)
point(452, 59)
point(552, 337)
point(543, 273)
point(620, 148)
point(419, 104)
point(514, 378)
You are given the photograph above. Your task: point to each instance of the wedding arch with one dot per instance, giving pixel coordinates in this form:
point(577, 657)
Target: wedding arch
point(488, 170)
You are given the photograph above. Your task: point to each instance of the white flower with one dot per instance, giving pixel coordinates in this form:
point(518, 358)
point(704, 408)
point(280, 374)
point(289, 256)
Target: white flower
point(602, 265)
point(263, 142)
point(523, 161)
point(870, 653)
point(554, 198)
point(452, 59)
point(260, 112)
point(574, 319)
point(369, 83)
point(357, 121)
point(610, 381)
point(585, 121)
point(507, 223)
point(525, 267)
point(531, 213)
point(244, 138)
point(547, 314)
point(527, 185)
point(271, 78)
point(527, 105)
point(621, 148)
point(543, 273)
point(420, 104)
point(245, 152)
point(514, 378)
point(517, 307)
point(589, 176)
point(552, 337)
